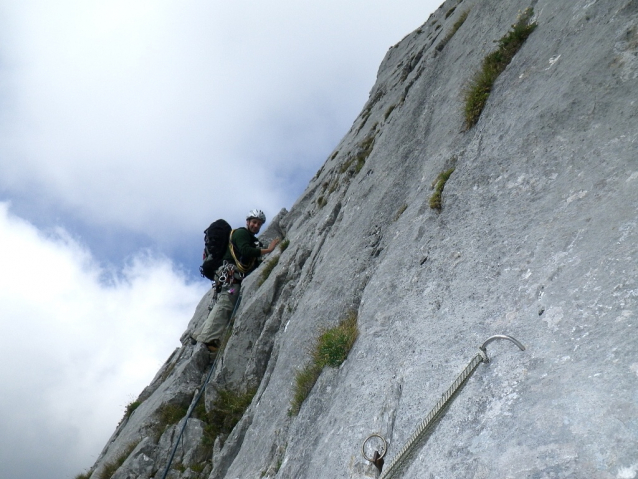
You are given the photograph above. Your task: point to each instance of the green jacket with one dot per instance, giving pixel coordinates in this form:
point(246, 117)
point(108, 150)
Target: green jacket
point(246, 247)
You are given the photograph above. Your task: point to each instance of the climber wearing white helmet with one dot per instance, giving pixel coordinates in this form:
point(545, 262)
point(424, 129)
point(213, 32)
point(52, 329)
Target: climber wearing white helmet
point(243, 256)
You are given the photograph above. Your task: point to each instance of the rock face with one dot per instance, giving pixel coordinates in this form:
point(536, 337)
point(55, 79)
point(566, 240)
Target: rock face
point(537, 238)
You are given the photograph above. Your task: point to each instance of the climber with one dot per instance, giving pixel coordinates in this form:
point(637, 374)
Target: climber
point(243, 255)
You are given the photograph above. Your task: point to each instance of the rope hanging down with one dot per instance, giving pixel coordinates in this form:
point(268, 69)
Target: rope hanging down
point(199, 394)
point(435, 413)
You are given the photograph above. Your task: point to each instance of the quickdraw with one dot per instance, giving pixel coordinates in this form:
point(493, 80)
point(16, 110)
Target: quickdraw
point(226, 274)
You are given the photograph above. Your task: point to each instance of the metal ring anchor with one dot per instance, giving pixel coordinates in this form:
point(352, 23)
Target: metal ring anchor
point(381, 454)
point(494, 338)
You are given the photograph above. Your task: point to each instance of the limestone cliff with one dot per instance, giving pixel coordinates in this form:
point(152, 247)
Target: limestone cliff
point(537, 237)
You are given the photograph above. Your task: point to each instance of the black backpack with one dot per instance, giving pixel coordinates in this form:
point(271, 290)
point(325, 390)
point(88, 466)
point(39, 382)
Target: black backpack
point(216, 238)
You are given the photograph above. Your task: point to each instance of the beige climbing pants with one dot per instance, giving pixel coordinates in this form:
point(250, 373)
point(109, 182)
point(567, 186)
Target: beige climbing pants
point(219, 316)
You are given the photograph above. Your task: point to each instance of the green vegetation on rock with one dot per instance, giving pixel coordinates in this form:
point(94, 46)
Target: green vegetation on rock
point(227, 410)
point(111, 468)
point(480, 86)
point(389, 111)
point(436, 200)
point(169, 414)
point(267, 269)
point(363, 150)
point(454, 29)
point(331, 349)
point(400, 211)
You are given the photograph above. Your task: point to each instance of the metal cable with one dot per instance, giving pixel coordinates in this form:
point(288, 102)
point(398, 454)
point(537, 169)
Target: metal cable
point(436, 412)
point(405, 451)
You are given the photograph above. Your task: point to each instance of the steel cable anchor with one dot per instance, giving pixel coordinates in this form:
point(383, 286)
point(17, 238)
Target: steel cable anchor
point(396, 462)
point(377, 458)
point(494, 338)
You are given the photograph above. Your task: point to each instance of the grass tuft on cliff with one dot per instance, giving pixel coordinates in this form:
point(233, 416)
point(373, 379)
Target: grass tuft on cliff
point(111, 467)
point(400, 211)
point(132, 406)
point(227, 410)
point(331, 349)
point(454, 29)
point(436, 200)
point(363, 151)
point(267, 269)
point(169, 414)
point(478, 90)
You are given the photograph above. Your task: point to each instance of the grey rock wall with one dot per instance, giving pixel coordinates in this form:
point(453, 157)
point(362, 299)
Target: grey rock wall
point(537, 238)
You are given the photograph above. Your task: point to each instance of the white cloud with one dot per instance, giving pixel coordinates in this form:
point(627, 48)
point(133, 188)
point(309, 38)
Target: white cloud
point(78, 344)
point(150, 118)
point(142, 113)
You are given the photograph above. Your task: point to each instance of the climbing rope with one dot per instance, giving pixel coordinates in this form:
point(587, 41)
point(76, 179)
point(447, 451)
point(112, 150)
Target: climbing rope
point(191, 408)
point(240, 266)
point(436, 412)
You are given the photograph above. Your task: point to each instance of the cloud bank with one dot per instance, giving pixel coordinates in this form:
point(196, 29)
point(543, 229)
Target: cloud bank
point(78, 344)
point(125, 129)
point(143, 114)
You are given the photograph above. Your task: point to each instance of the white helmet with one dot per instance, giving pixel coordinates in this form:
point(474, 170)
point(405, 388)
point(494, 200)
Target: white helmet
point(258, 214)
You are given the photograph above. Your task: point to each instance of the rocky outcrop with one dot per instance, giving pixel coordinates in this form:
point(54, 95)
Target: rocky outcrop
point(537, 238)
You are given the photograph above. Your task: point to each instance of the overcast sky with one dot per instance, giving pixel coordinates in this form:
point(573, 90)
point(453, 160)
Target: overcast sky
point(126, 127)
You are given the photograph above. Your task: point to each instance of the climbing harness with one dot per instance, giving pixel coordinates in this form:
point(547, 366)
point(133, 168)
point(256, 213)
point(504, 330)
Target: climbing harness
point(191, 408)
point(435, 413)
point(226, 275)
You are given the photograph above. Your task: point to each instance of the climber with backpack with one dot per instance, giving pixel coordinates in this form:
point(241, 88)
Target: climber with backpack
point(229, 256)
